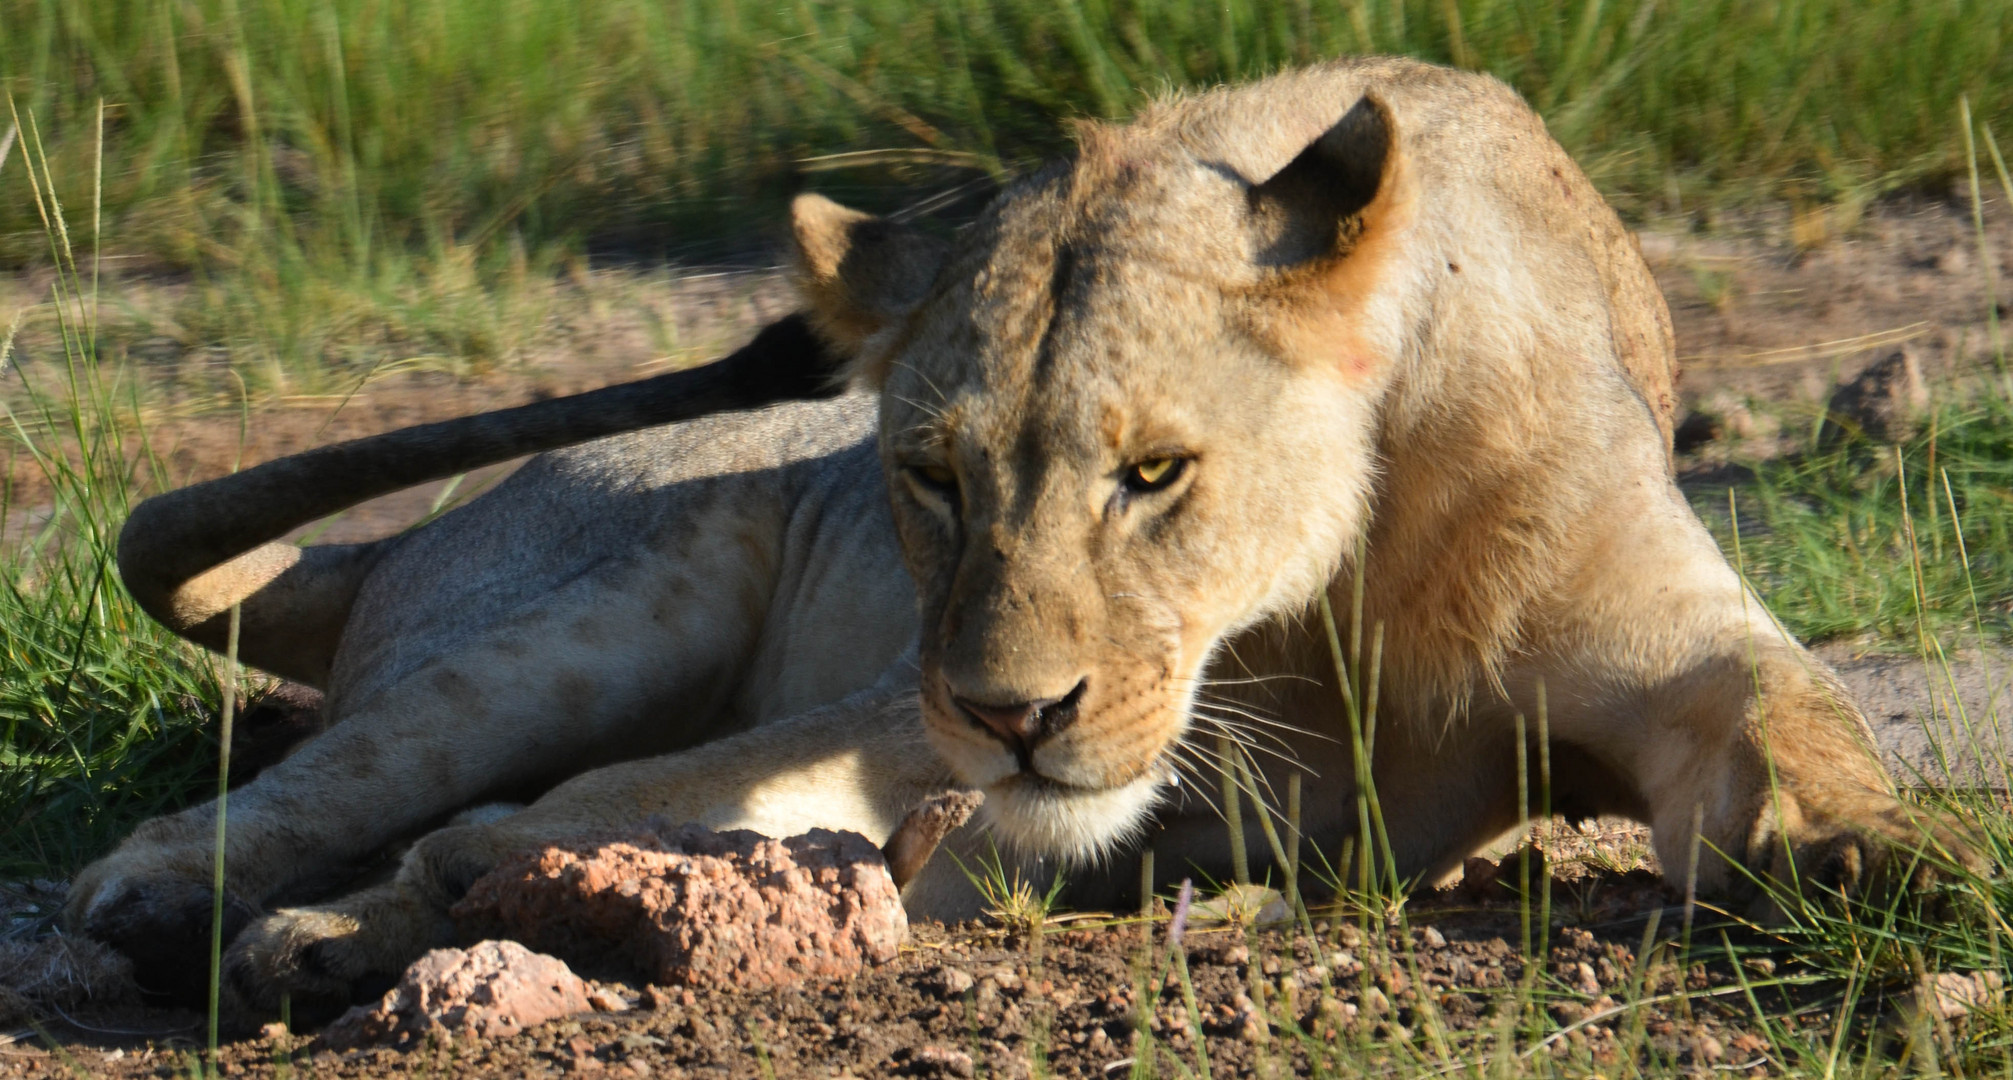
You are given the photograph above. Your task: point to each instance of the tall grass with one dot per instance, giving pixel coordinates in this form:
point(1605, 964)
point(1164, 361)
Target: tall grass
point(355, 127)
point(100, 706)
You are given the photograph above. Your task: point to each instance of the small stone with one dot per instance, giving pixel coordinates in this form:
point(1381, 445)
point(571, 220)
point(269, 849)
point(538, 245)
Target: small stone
point(953, 982)
point(1749, 1044)
point(274, 1032)
point(603, 1000)
point(1432, 938)
point(1882, 403)
point(1955, 995)
point(1478, 875)
point(1343, 963)
point(494, 989)
point(1584, 979)
point(1706, 1048)
point(940, 1061)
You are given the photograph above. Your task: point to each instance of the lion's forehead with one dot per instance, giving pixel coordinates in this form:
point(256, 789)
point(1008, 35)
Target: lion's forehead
point(1090, 319)
point(1132, 357)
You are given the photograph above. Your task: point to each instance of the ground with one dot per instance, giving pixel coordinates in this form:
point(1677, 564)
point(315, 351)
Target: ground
point(1772, 313)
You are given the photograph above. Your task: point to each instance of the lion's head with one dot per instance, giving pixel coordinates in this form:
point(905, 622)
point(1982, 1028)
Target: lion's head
point(1128, 413)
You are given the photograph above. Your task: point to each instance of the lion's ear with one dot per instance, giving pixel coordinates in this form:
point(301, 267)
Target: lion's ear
point(859, 274)
point(1334, 190)
point(1333, 224)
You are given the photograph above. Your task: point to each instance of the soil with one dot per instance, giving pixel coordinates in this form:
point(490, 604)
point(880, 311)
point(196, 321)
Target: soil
point(1084, 1000)
point(1781, 308)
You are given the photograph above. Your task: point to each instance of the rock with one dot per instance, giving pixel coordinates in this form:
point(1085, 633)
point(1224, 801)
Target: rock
point(952, 982)
point(939, 1061)
point(490, 990)
point(691, 907)
point(1954, 995)
point(1882, 403)
point(1705, 1048)
point(1480, 878)
point(1696, 429)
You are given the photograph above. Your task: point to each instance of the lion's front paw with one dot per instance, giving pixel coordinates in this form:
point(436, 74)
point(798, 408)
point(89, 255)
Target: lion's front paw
point(161, 921)
point(1877, 855)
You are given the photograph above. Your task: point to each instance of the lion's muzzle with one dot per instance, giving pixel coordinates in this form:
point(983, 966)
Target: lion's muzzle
point(1024, 725)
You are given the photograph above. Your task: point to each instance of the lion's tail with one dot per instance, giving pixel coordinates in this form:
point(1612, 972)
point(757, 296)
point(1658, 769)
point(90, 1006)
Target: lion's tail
point(190, 555)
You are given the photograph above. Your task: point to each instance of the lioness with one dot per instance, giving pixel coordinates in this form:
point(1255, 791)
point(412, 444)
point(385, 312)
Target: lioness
point(1112, 445)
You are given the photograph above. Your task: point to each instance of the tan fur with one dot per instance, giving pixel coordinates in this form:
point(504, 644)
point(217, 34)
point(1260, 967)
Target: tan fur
point(1370, 305)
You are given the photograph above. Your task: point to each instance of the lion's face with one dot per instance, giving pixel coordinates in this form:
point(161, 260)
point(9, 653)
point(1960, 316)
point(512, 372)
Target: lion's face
point(1108, 450)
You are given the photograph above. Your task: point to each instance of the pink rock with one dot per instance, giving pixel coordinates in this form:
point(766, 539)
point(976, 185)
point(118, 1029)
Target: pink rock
point(490, 990)
point(691, 907)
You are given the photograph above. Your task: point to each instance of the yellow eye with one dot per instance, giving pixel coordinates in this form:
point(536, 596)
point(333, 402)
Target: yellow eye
point(1153, 475)
point(936, 476)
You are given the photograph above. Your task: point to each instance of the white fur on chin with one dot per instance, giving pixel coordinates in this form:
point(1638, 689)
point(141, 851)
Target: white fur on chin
point(1073, 824)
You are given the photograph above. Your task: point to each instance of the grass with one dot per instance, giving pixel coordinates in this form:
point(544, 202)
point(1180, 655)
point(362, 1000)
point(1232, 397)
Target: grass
point(337, 181)
point(1831, 536)
point(102, 708)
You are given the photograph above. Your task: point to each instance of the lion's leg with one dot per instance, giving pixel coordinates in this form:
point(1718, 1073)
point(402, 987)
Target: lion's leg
point(859, 765)
point(1773, 760)
point(1666, 672)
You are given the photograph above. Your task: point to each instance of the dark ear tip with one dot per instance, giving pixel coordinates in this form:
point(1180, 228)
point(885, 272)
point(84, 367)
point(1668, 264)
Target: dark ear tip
point(1366, 129)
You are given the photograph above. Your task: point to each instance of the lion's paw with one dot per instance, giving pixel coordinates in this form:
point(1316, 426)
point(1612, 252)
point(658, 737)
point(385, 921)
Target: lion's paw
point(1876, 857)
point(330, 955)
point(302, 953)
point(161, 922)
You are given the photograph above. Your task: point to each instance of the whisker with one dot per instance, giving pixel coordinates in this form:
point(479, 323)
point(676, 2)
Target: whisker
point(1244, 710)
point(1248, 737)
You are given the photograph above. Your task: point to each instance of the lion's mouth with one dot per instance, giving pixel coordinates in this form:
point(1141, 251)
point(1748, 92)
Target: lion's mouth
point(1032, 781)
point(1160, 771)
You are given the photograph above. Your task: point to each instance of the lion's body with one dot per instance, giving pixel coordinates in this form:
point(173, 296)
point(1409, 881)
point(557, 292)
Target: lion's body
point(1463, 365)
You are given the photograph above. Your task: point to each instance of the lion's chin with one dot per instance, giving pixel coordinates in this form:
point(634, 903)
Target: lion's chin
point(1034, 816)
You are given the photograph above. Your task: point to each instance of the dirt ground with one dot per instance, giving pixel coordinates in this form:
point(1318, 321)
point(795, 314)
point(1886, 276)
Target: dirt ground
point(1779, 308)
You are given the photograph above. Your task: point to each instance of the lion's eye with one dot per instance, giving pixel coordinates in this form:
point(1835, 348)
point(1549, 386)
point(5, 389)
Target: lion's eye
point(1155, 474)
point(939, 478)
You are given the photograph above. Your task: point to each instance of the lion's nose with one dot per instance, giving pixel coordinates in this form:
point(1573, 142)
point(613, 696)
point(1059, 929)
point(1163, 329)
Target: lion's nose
point(1023, 725)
